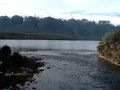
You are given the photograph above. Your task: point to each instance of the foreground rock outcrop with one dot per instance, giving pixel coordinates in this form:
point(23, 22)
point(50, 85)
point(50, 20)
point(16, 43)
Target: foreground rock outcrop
point(17, 69)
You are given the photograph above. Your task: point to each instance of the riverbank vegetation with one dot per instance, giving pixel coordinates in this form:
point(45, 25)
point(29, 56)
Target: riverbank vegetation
point(36, 36)
point(109, 47)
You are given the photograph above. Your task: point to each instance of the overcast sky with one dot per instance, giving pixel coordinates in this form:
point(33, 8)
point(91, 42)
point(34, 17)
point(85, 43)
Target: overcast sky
point(78, 9)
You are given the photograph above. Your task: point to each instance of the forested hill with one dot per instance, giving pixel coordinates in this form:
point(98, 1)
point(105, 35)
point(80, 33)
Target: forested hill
point(56, 28)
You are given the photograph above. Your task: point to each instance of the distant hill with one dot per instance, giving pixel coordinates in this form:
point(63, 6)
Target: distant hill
point(51, 28)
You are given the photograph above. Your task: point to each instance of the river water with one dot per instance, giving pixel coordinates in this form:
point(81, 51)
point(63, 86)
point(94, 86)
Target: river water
point(74, 65)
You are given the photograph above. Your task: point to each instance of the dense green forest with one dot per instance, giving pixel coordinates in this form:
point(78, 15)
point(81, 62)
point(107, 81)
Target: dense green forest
point(18, 27)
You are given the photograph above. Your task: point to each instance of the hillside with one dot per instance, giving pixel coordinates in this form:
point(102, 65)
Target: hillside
point(45, 28)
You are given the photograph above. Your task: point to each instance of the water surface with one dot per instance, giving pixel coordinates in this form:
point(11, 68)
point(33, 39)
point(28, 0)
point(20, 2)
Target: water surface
point(74, 65)
point(51, 44)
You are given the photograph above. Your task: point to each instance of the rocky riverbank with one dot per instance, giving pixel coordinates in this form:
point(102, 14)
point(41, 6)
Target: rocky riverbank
point(109, 48)
point(108, 60)
point(17, 69)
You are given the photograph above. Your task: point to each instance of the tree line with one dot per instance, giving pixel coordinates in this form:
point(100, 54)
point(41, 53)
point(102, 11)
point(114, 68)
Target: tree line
point(49, 26)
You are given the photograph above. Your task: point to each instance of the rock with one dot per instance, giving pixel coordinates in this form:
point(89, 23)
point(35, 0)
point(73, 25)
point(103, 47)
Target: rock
point(17, 69)
point(33, 88)
point(5, 50)
point(48, 67)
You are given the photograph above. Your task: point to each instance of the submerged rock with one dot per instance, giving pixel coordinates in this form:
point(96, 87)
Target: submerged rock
point(48, 67)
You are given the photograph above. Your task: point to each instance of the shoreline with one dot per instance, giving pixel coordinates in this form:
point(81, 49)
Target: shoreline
point(108, 60)
point(48, 39)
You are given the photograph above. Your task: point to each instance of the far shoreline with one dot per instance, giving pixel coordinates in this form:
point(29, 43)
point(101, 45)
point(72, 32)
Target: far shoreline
point(52, 39)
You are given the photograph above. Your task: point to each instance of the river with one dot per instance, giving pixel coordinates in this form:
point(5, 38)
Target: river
point(74, 65)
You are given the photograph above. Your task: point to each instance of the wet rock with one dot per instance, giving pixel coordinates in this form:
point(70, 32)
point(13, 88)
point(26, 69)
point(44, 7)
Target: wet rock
point(41, 68)
point(17, 69)
point(48, 67)
point(33, 88)
point(28, 84)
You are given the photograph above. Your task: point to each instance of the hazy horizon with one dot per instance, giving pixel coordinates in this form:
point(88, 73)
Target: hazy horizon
point(65, 9)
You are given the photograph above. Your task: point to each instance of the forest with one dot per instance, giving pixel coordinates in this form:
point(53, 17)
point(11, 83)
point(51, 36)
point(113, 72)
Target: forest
point(32, 27)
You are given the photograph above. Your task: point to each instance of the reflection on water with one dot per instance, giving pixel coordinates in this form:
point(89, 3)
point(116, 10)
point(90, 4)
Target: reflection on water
point(51, 44)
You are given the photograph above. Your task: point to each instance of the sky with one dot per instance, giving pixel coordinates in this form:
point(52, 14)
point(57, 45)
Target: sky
point(64, 9)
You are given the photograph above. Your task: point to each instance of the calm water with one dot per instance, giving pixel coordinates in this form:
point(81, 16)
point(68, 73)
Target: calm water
point(51, 44)
point(74, 65)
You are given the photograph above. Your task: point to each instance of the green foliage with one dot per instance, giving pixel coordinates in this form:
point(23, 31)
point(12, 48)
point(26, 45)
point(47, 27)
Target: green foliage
point(110, 46)
point(113, 37)
point(73, 29)
point(16, 35)
point(107, 38)
point(116, 36)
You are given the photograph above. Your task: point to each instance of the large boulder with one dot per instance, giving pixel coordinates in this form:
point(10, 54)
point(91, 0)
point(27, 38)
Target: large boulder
point(5, 51)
